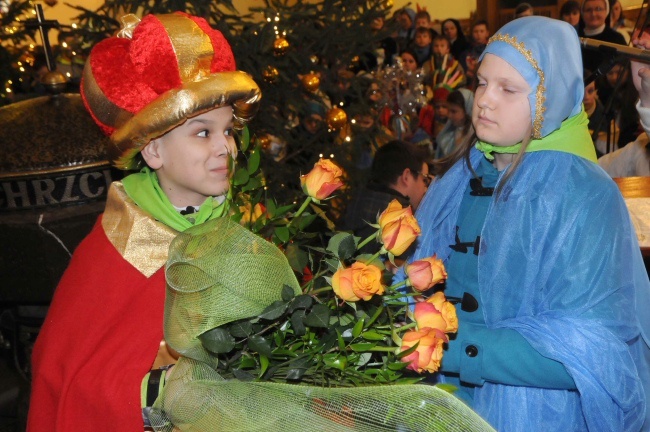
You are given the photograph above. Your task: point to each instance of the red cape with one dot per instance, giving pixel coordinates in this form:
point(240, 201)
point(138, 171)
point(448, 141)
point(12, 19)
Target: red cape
point(100, 338)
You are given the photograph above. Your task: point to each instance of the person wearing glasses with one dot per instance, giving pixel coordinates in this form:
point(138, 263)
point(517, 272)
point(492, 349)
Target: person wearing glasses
point(399, 171)
point(596, 26)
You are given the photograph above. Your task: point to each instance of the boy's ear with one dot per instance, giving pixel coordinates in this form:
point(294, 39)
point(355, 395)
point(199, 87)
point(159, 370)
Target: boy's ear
point(406, 178)
point(151, 154)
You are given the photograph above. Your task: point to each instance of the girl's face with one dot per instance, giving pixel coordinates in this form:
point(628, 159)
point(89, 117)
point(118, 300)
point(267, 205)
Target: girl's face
point(589, 100)
point(572, 18)
point(594, 13)
point(456, 114)
point(501, 114)
point(615, 12)
point(450, 30)
point(192, 161)
point(409, 63)
point(614, 74)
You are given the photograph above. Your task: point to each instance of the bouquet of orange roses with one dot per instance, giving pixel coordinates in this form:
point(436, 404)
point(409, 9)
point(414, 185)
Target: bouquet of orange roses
point(293, 327)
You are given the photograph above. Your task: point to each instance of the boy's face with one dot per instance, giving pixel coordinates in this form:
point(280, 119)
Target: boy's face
point(193, 160)
point(441, 109)
point(422, 22)
point(440, 47)
point(480, 34)
point(404, 21)
point(422, 39)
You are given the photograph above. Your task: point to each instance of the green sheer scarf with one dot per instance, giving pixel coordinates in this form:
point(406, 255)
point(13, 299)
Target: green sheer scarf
point(572, 137)
point(145, 190)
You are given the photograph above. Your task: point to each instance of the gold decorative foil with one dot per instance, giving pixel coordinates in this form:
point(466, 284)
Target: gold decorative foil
point(140, 239)
point(129, 23)
point(540, 98)
point(173, 107)
point(192, 46)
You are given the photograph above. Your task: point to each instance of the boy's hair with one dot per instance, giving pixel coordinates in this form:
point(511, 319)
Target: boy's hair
point(480, 22)
point(393, 158)
point(424, 30)
point(569, 7)
point(442, 38)
point(422, 14)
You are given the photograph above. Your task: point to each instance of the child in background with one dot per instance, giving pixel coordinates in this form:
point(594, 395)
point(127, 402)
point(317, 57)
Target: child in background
point(458, 130)
point(538, 243)
point(409, 63)
point(442, 67)
point(168, 93)
point(595, 112)
point(421, 45)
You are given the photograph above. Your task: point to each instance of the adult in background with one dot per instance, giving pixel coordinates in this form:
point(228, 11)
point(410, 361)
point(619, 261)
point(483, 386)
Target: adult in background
point(596, 26)
point(399, 171)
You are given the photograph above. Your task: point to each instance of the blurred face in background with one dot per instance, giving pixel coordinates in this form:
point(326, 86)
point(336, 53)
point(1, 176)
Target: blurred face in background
point(589, 99)
point(441, 47)
point(480, 34)
point(408, 62)
point(594, 13)
point(572, 18)
point(450, 30)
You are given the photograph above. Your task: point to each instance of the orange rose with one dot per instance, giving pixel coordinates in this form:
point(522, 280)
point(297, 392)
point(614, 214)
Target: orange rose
point(250, 215)
point(399, 234)
point(425, 273)
point(359, 281)
point(436, 313)
point(393, 212)
point(322, 180)
point(428, 354)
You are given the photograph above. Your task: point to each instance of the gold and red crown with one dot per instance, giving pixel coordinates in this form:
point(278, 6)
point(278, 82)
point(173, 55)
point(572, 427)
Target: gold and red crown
point(156, 73)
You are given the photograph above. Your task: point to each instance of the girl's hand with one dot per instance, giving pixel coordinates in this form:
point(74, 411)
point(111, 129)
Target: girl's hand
point(641, 71)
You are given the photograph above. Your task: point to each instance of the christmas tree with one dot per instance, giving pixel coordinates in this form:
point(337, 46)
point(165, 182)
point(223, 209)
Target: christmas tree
point(308, 57)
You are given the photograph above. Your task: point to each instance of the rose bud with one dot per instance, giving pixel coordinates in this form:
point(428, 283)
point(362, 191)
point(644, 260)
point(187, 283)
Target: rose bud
point(359, 281)
point(250, 215)
point(399, 234)
point(428, 354)
point(322, 180)
point(425, 273)
point(393, 212)
point(436, 313)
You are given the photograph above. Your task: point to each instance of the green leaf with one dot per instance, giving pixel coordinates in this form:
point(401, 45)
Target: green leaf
point(364, 358)
point(243, 375)
point(319, 316)
point(217, 340)
point(244, 139)
point(254, 161)
point(241, 329)
point(302, 301)
point(408, 351)
point(297, 322)
point(298, 258)
point(298, 368)
point(264, 364)
point(341, 341)
point(274, 310)
point(397, 366)
point(287, 293)
point(241, 177)
point(282, 233)
point(306, 220)
point(342, 245)
point(372, 335)
point(247, 362)
point(260, 345)
point(358, 327)
point(364, 346)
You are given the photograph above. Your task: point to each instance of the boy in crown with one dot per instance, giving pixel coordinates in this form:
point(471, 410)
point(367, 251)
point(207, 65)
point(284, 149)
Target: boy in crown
point(167, 92)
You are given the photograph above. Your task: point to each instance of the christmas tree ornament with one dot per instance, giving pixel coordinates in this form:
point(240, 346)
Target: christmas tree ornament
point(313, 59)
point(270, 74)
point(280, 46)
point(310, 82)
point(336, 118)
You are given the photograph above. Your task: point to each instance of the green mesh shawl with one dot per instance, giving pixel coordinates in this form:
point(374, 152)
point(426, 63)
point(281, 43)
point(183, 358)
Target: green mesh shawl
point(219, 272)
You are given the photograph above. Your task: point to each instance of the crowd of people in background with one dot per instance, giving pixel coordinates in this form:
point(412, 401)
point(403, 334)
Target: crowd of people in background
point(445, 54)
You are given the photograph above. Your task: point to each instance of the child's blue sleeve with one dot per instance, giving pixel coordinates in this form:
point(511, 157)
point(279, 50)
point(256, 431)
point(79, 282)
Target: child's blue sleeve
point(503, 356)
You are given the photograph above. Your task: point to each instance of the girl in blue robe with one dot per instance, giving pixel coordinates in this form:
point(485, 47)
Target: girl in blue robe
point(555, 323)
